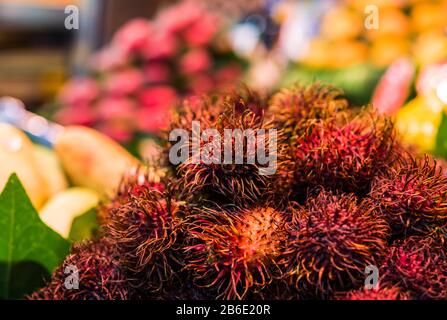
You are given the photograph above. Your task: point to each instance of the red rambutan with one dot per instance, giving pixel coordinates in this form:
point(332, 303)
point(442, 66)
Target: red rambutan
point(293, 108)
point(135, 183)
point(207, 109)
point(95, 270)
point(143, 229)
point(242, 135)
point(417, 265)
point(389, 293)
point(343, 197)
point(203, 109)
point(413, 196)
point(233, 252)
point(331, 246)
point(344, 153)
point(443, 165)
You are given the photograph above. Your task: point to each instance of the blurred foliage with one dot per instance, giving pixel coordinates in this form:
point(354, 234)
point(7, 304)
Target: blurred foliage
point(358, 81)
point(85, 226)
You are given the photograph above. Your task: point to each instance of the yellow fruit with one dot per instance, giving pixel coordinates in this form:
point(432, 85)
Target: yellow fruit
point(17, 155)
point(341, 23)
point(60, 211)
point(430, 47)
point(391, 22)
point(337, 54)
point(348, 53)
point(427, 15)
point(319, 54)
point(361, 4)
point(385, 50)
point(50, 168)
point(418, 122)
point(92, 159)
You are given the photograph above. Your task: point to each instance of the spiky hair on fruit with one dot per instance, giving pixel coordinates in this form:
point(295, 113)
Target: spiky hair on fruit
point(345, 196)
point(205, 109)
point(135, 183)
point(208, 108)
point(186, 290)
point(292, 108)
point(240, 133)
point(331, 246)
point(235, 251)
point(443, 165)
point(99, 275)
point(389, 293)
point(143, 230)
point(278, 290)
point(242, 98)
point(413, 196)
point(418, 265)
point(344, 153)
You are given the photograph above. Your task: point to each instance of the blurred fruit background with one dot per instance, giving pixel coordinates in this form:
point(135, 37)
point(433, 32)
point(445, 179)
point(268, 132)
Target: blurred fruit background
point(104, 90)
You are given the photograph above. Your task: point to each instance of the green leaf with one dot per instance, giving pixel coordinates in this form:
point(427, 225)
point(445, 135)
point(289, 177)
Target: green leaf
point(357, 81)
point(441, 138)
point(29, 250)
point(85, 226)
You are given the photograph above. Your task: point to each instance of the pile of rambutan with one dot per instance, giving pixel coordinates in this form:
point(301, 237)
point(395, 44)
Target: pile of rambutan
point(345, 198)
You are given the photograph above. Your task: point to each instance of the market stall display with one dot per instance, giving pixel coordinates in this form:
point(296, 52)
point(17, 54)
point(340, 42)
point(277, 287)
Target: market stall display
point(343, 190)
point(252, 150)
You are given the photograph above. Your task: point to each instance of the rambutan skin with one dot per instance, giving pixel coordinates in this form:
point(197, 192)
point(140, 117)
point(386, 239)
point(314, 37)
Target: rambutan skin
point(143, 231)
point(208, 109)
point(418, 265)
point(294, 108)
point(329, 249)
point(135, 183)
point(345, 153)
point(204, 109)
point(234, 252)
point(214, 177)
point(100, 275)
point(389, 293)
point(413, 196)
point(345, 196)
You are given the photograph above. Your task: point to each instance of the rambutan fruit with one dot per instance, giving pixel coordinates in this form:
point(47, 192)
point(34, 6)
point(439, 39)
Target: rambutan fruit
point(412, 196)
point(135, 183)
point(95, 269)
point(226, 166)
point(242, 98)
point(207, 108)
point(443, 165)
point(331, 242)
point(234, 252)
point(204, 109)
point(186, 290)
point(418, 265)
point(278, 290)
point(389, 293)
point(345, 153)
point(293, 107)
point(143, 230)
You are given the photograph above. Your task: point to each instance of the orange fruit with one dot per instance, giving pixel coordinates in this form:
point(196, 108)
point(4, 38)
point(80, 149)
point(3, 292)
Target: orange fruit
point(385, 50)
